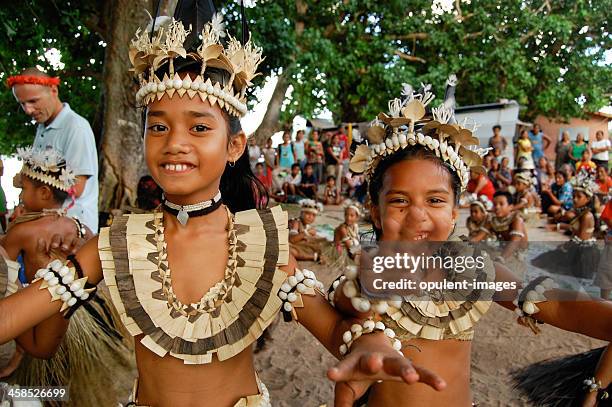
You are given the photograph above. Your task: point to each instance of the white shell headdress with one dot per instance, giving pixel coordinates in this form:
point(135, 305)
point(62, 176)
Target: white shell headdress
point(47, 166)
point(584, 182)
point(148, 53)
point(310, 205)
point(407, 125)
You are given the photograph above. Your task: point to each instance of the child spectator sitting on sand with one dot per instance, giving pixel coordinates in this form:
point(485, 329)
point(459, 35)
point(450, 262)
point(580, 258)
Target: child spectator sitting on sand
point(304, 243)
point(331, 195)
point(478, 219)
point(346, 235)
point(308, 185)
point(292, 181)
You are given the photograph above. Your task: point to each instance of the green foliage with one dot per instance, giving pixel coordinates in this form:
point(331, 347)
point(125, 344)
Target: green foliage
point(31, 27)
point(534, 51)
point(342, 55)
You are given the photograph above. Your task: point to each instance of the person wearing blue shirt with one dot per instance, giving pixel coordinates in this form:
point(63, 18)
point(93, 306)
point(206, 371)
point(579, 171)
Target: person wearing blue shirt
point(557, 197)
point(539, 142)
point(62, 129)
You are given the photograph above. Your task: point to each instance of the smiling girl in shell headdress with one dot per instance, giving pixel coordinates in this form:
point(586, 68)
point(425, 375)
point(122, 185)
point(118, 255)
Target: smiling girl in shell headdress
point(197, 281)
point(417, 166)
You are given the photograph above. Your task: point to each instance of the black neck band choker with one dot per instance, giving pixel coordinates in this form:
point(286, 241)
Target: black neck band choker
point(184, 212)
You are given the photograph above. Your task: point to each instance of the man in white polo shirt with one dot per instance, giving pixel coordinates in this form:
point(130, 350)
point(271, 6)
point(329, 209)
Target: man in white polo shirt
point(60, 128)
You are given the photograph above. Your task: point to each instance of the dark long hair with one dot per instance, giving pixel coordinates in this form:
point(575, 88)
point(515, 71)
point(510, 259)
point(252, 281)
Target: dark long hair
point(416, 152)
point(240, 188)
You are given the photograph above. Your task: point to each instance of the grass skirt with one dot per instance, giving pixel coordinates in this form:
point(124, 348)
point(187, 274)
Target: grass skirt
point(558, 382)
point(93, 360)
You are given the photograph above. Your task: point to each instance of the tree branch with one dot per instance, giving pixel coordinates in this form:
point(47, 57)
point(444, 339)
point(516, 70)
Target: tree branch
point(458, 8)
point(472, 35)
point(527, 35)
point(301, 8)
point(411, 36)
point(410, 58)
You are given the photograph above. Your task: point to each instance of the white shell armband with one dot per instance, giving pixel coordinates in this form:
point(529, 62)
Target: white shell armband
point(527, 299)
point(352, 290)
point(368, 327)
point(63, 284)
point(331, 291)
point(303, 282)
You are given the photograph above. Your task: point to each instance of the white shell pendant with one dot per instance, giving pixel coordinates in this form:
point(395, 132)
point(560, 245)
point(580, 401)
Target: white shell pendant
point(182, 217)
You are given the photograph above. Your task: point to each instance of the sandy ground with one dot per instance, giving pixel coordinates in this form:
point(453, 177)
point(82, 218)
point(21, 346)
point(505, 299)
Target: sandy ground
point(294, 364)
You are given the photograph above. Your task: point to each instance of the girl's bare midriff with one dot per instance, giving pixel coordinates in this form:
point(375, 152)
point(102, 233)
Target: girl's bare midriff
point(168, 382)
point(448, 358)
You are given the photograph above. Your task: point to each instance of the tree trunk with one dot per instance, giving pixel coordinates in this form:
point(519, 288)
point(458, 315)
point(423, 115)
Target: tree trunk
point(122, 147)
point(271, 121)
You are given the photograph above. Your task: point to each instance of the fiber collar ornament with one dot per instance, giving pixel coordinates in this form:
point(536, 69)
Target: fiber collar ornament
point(406, 125)
point(184, 212)
point(32, 80)
point(148, 54)
point(47, 166)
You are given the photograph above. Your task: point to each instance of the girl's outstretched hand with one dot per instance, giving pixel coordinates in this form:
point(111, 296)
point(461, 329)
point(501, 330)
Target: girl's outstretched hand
point(372, 358)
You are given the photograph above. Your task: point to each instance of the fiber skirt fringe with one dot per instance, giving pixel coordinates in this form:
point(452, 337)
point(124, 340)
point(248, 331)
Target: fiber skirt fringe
point(92, 359)
point(571, 259)
point(558, 382)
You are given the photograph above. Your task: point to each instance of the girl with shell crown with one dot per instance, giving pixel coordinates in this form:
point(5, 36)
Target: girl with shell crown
point(580, 256)
point(54, 360)
point(346, 235)
point(303, 239)
point(189, 345)
point(478, 219)
point(526, 201)
point(417, 167)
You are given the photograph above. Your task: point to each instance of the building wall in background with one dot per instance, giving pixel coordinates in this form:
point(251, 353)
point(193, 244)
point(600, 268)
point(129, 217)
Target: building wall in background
point(588, 127)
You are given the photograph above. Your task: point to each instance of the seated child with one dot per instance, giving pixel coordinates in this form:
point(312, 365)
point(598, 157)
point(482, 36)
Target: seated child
point(526, 200)
point(292, 181)
point(508, 227)
point(478, 219)
point(353, 181)
point(309, 183)
point(346, 235)
point(303, 240)
point(331, 195)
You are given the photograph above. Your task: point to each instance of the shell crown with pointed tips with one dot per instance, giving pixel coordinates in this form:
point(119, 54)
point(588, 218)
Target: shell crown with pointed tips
point(149, 53)
point(407, 125)
point(47, 166)
point(585, 182)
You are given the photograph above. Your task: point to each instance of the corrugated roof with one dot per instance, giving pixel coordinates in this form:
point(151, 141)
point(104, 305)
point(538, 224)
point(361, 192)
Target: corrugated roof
point(322, 124)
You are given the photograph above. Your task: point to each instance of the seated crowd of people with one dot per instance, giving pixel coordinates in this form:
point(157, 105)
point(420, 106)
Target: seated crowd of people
point(311, 168)
point(573, 197)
